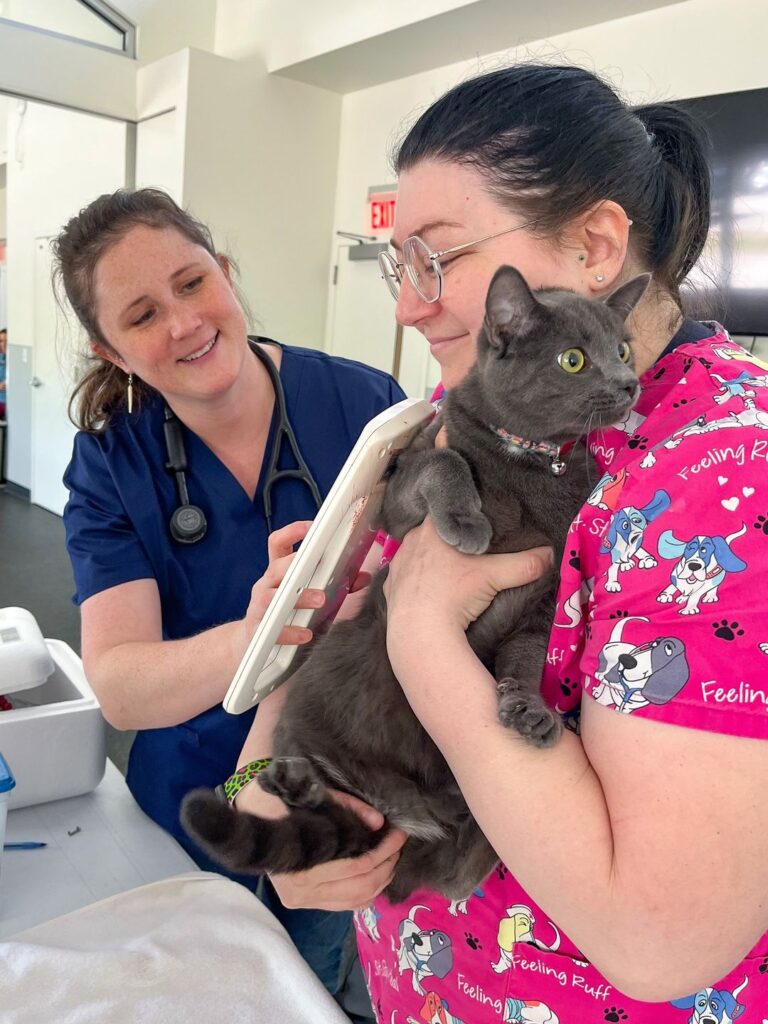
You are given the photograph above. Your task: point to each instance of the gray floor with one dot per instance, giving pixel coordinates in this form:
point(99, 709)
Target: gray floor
point(35, 574)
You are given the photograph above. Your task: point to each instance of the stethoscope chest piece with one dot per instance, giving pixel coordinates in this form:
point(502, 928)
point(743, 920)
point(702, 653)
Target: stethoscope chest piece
point(188, 524)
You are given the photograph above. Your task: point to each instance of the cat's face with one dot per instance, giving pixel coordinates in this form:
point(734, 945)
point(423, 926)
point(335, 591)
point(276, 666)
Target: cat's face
point(554, 364)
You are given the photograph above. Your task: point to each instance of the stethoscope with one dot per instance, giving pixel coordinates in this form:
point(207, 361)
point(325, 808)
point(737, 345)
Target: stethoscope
point(188, 524)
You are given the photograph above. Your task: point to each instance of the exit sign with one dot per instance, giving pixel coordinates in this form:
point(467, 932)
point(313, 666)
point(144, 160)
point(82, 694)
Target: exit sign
point(381, 207)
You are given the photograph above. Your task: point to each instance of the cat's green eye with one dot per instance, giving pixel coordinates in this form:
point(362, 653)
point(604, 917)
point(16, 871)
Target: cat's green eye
point(625, 352)
point(572, 360)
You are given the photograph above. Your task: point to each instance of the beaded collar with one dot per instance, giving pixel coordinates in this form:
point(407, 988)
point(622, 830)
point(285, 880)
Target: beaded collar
point(553, 451)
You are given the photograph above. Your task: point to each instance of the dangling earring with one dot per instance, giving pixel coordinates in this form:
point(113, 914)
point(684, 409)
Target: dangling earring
point(130, 393)
point(599, 278)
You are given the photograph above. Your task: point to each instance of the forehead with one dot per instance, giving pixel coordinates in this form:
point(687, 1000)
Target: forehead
point(144, 256)
point(435, 190)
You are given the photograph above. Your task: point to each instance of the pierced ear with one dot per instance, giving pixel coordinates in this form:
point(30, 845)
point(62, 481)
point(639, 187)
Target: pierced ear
point(625, 298)
point(509, 303)
point(103, 352)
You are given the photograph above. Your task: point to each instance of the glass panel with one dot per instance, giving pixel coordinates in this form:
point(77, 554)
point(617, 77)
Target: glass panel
point(68, 17)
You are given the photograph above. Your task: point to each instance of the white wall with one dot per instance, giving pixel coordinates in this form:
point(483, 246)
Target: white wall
point(60, 71)
point(166, 26)
point(695, 48)
point(260, 169)
point(161, 99)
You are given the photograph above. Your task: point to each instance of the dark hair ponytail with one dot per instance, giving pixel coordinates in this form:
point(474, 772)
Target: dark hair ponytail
point(680, 211)
point(553, 140)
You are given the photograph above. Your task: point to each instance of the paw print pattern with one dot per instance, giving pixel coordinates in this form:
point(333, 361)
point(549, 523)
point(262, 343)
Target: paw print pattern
point(567, 686)
point(763, 968)
point(761, 524)
point(687, 364)
point(726, 630)
point(660, 373)
point(575, 561)
point(619, 614)
point(502, 870)
point(615, 1013)
point(638, 441)
point(472, 941)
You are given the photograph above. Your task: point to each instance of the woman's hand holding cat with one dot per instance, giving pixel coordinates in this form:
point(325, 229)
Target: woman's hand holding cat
point(432, 586)
point(341, 884)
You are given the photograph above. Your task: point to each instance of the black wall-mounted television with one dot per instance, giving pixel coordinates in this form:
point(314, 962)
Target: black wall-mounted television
point(731, 281)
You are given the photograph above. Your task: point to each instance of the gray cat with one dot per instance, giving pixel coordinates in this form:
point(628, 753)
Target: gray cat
point(549, 366)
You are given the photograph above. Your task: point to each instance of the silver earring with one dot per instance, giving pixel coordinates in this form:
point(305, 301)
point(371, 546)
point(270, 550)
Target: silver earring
point(130, 393)
point(629, 222)
point(599, 278)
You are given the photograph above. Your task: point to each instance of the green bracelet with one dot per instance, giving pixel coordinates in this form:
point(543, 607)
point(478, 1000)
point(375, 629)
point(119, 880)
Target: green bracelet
point(243, 776)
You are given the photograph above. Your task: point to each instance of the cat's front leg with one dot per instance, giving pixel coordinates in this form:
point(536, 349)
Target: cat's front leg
point(519, 667)
point(437, 483)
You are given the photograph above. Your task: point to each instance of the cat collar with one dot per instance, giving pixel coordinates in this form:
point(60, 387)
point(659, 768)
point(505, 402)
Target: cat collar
point(239, 779)
point(554, 451)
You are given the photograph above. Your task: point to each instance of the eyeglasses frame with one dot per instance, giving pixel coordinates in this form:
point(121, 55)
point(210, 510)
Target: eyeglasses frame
point(434, 257)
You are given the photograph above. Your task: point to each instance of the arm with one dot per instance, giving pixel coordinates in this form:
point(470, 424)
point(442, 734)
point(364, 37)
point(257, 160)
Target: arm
point(633, 837)
point(145, 682)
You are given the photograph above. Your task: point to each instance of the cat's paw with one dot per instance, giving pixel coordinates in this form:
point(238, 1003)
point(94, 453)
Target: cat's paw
point(470, 532)
point(295, 781)
point(527, 714)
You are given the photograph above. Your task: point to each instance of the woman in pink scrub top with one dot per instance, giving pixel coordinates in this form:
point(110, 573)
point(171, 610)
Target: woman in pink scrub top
point(632, 883)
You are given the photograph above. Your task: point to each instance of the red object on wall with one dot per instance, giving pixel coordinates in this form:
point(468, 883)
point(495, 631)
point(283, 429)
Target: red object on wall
point(381, 209)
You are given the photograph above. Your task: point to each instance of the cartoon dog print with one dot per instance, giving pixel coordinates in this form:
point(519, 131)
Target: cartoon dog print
point(368, 918)
point(713, 1006)
point(460, 906)
point(750, 417)
point(434, 1011)
point(740, 387)
point(625, 536)
point(632, 677)
point(528, 1011)
point(630, 424)
point(574, 604)
point(428, 953)
point(517, 926)
point(608, 491)
point(703, 563)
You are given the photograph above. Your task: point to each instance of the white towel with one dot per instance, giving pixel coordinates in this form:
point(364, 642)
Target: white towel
point(195, 948)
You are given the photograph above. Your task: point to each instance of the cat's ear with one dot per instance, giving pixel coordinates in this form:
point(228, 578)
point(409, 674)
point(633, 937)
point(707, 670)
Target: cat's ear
point(625, 298)
point(509, 303)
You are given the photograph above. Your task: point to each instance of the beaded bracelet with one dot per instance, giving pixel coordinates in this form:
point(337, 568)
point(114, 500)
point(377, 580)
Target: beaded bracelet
point(239, 779)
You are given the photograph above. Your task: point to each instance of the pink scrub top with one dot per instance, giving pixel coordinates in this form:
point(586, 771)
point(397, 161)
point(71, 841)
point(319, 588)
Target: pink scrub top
point(661, 613)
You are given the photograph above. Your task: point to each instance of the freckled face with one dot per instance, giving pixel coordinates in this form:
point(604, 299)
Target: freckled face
point(169, 312)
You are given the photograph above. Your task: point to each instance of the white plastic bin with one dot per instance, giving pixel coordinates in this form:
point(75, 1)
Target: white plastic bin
point(55, 734)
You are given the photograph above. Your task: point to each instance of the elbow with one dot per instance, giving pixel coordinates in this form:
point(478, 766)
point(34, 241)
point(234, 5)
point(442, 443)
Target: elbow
point(112, 708)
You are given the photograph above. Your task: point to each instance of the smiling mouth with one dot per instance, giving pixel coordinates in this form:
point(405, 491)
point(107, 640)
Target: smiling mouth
point(201, 351)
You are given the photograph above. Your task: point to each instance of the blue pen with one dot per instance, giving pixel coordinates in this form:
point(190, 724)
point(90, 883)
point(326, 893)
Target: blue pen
point(24, 846)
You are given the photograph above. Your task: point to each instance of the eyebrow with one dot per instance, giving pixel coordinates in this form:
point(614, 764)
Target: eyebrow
point(177, 273)
point(431, 225)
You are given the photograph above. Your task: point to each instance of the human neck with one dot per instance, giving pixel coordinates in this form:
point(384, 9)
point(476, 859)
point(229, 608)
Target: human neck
point(653, 324)
point(243, 413)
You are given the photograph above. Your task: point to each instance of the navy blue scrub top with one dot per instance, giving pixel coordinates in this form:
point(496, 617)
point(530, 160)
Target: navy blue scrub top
point(116, 521)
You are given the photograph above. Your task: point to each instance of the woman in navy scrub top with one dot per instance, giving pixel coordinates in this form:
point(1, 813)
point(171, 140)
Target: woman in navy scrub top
point(165, 624)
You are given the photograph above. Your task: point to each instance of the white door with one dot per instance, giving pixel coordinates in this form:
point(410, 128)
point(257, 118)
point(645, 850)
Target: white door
point(67, 160)
point(53, 361)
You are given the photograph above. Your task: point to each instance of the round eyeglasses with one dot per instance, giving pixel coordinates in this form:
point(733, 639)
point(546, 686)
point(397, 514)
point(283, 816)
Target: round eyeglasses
point(422, 265)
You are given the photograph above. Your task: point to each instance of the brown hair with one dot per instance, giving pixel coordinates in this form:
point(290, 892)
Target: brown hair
point(101, 391)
